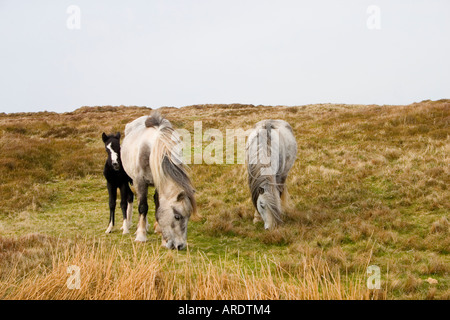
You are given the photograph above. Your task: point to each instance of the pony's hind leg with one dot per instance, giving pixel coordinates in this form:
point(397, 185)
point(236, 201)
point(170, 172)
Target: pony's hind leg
point(112, 191)
point(141, 232)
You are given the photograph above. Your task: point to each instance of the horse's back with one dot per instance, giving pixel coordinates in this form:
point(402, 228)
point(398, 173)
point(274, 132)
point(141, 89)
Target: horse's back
point(287, 142)
point(135, 124)
point(287, 137)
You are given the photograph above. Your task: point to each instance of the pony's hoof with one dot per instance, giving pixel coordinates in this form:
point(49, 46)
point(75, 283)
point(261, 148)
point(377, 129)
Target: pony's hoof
point(125, 229)
point(141, 238)
point(109, 229)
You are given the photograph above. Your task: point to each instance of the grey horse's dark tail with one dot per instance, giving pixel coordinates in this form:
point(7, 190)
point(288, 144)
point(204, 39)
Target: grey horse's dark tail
point(155, 119)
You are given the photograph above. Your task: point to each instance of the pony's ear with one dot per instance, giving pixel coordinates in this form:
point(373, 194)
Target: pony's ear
point(104, 137)
point(118, 135)
point(181, 196)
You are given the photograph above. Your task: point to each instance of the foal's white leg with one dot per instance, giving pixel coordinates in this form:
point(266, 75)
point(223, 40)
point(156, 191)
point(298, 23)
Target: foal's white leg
point(109, 228)
point(141, 233)
point(129, 214)
point(127, 223)
point(124, 228)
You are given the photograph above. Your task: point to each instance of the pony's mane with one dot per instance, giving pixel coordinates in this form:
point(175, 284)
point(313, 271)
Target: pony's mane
point(165, 162)
point(257, 180)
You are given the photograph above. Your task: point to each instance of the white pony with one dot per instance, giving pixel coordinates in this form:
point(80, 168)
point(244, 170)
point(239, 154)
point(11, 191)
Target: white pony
point(151, 157)
point(267, 173)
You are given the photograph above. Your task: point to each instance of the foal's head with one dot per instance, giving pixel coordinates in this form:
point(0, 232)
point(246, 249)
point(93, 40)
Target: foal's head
point(112, 146)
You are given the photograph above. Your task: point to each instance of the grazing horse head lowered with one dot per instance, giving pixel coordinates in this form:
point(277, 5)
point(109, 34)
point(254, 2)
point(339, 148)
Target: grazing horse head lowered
point(267, 173)
point(151, 157)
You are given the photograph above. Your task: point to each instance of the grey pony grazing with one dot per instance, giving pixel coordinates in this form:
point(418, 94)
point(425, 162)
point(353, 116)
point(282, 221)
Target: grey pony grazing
point(116, 178)
point(151, 157)
point(267, 171)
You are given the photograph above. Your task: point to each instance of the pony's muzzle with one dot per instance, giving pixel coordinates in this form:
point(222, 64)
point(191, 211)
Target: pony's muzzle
point(116, 166)
point(172, 245)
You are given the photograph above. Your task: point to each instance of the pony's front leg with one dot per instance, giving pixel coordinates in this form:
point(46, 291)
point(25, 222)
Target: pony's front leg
point(257, 217)
point(112, 191)
point(141, 233)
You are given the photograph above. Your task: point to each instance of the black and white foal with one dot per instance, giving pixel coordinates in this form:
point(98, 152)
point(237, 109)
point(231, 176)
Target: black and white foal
point(117, 178)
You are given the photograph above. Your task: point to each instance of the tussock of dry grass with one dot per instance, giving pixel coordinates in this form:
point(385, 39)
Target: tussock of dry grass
point(105, 273)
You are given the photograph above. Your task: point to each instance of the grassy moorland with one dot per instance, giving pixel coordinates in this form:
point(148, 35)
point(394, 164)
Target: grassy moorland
point(369, 187)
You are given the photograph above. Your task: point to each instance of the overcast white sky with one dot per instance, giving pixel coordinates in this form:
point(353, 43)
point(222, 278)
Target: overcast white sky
point(184, 52)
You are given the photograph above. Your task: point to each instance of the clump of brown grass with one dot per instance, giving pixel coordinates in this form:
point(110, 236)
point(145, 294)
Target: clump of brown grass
point(18, 256)
point(279, 236)
point(148, 273)
point(442, 225)
point(221, 224)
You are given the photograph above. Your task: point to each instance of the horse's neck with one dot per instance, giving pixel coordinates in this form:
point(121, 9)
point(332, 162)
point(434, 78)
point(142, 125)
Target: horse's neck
point(169, 189)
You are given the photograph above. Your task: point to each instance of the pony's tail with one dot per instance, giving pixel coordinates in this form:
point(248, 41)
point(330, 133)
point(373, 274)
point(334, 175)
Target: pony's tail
point(155, 119)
